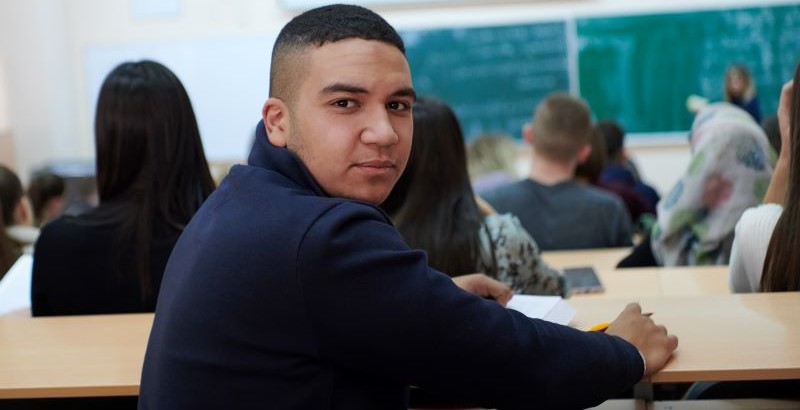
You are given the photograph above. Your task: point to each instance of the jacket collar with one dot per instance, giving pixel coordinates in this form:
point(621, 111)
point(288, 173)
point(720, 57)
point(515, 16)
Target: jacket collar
point(281, 160)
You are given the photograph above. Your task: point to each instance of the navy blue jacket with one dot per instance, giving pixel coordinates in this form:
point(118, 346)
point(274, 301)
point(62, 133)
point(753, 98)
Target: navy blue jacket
point(278, 296)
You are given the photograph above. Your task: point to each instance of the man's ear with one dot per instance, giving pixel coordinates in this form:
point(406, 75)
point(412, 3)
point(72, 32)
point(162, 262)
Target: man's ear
point(583, 153)
point(276, 120)
point(527, 133)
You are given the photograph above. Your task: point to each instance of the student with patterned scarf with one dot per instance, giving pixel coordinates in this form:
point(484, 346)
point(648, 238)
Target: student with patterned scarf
point(729, 171)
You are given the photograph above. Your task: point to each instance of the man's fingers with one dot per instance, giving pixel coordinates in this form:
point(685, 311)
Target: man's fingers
point(634, 308)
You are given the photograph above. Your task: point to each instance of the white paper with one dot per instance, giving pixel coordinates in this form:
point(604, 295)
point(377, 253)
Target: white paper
point(550, 308)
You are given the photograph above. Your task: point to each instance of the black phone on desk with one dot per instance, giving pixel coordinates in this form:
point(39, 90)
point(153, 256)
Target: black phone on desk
point(583, 279)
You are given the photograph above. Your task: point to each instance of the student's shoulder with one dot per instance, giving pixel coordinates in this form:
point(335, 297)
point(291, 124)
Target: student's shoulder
point(345, 214)
point(507, 228)
point(508, 191)
point(759, 219)
point(600, 196)
point(505, 221)
point(69, 225)
point(72, 235)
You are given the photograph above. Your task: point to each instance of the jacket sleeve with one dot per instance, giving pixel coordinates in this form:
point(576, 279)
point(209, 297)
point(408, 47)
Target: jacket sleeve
point(377, 308)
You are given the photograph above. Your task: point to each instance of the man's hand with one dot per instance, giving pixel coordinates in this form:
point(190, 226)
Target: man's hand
point(652, 340)
point(485, 287)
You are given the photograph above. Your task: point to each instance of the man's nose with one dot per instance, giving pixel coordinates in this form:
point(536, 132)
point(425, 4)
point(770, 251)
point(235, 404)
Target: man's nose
point(379, 129)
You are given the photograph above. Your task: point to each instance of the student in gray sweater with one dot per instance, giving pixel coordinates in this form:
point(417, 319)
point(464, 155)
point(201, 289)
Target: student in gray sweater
point(558, 211)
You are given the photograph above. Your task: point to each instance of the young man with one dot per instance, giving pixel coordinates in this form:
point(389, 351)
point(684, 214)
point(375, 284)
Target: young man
point(558, 211)
point(289, 289)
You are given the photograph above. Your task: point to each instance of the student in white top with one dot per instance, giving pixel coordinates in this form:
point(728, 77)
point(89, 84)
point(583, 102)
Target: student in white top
point(763, 255)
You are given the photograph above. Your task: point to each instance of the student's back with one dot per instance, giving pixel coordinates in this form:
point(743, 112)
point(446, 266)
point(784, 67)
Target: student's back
point(568, 215)
point(558, 211)
point(82, 267)
point(152, 176)
point(729, 172)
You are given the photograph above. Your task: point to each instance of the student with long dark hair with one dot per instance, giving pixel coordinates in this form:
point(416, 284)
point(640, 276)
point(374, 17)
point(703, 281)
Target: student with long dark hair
point(152, 176)
point(764, 256)
point(434, 208)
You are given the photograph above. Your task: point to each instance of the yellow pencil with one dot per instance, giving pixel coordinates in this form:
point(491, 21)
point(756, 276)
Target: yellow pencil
point(601, 327)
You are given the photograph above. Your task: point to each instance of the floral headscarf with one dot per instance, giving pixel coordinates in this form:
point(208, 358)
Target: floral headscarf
point(729, 172)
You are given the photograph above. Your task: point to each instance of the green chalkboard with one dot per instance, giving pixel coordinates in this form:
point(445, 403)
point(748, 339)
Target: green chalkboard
point(493, 77)
point(640, 69)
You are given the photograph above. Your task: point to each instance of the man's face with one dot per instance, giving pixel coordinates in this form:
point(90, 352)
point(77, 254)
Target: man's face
point(351, 121)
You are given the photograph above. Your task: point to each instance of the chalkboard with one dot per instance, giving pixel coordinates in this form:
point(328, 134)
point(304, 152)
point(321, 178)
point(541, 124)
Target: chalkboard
point(493, 77)
point(640, 69)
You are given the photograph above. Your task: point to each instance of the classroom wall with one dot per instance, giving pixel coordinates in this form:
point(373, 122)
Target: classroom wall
point(43, 45)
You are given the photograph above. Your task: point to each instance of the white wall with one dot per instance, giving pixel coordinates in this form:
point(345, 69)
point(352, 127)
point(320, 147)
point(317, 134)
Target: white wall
point(43, 44)
point(40, 92)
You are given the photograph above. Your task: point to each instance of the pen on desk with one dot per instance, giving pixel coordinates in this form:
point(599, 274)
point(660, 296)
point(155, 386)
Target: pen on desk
point(601, 327)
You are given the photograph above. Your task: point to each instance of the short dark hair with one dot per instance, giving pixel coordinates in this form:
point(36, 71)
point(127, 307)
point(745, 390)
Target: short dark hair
point(561, 126)
point(614, 137)
point(11, 193)
point(43, 187)
point(316, 27)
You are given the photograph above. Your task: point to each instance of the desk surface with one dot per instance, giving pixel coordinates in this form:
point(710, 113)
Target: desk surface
point(721, 337)
point(650, 282)
point(77, 356)
point(601, 259)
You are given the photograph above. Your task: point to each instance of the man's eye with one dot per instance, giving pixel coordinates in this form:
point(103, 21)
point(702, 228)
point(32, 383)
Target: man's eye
point(398, 105)
point(345, 103)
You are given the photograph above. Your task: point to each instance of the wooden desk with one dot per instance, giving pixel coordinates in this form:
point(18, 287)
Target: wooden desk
point(602, 259)
point(721, 337)
point(695, 280)
point(636, 283)
point(76, 356)
point(624, 284)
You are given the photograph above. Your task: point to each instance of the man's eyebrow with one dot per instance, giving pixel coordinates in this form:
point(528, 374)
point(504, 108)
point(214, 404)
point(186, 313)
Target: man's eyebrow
point(354, 89)
point(342, 87)
point(406, 92)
